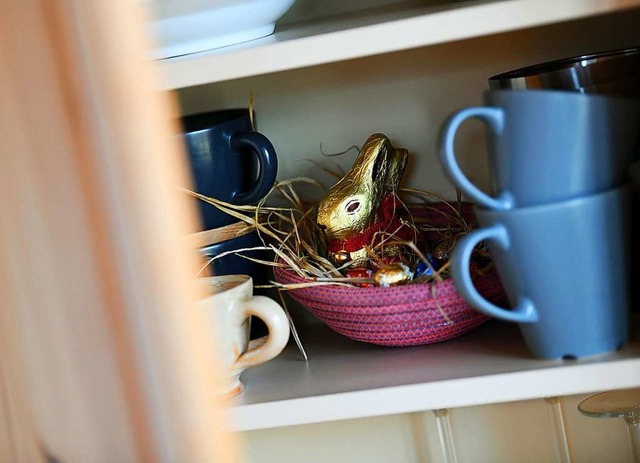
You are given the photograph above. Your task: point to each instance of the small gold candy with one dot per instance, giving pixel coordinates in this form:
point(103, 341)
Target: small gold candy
point(392, 275)
point(340, 257)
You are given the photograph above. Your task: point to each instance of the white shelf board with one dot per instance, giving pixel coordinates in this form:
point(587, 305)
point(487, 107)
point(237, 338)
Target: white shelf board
point(345, 379)
point(360, 35)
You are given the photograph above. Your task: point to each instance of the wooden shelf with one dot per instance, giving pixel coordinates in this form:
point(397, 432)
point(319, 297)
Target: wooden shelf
point(373, 33)
point(345, 379)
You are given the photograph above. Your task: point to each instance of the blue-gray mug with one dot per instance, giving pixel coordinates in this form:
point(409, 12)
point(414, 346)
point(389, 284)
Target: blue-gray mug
point(229, 161)
point(546, 146)
point(564, 267)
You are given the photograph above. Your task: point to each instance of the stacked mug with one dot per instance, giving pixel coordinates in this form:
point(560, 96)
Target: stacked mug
point(231, 162)
point(558, 225)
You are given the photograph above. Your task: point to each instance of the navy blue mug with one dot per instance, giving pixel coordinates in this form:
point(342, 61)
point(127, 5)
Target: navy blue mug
point(564, 267)
point(229, 161)
point(231, 261)
point(547, 146)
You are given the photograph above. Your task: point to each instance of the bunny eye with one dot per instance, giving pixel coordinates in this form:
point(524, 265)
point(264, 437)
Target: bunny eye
point(353, 206)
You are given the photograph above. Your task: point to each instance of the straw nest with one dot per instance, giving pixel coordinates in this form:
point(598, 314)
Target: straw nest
point(299, 245)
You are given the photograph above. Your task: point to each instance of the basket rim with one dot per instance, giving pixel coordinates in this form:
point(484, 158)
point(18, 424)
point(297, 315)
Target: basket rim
point(394, 296)
point(295, 278)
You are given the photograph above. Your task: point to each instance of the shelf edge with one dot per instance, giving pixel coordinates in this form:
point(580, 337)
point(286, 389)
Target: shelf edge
point(445, 26)
point(463, 392)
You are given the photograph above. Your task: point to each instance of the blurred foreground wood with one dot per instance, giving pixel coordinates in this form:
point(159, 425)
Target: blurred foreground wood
point(102, 358)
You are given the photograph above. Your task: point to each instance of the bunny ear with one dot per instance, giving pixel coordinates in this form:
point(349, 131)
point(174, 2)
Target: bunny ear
point(373, 159)
point(379, 164)
point(397, 165)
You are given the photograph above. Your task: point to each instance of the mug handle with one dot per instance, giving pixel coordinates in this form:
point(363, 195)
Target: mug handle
point(494, 119)
point(267, 160)
point(274, 317)
point(524, 312)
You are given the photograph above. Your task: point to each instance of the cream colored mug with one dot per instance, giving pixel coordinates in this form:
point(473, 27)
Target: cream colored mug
point(230, 306)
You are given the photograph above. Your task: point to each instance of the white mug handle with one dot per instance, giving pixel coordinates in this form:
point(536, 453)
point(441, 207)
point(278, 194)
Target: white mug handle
point(272, 314)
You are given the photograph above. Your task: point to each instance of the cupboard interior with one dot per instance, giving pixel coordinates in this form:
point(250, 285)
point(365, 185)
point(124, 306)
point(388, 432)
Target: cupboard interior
point(408, 95)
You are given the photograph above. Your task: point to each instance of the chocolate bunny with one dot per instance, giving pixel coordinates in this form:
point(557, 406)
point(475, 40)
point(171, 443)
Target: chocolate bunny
point(363, 202)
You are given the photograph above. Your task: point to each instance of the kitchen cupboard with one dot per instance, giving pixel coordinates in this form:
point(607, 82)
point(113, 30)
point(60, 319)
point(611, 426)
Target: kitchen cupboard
point(326, 83)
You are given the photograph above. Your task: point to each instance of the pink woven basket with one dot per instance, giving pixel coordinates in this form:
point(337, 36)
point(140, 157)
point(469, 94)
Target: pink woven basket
point(407, 315)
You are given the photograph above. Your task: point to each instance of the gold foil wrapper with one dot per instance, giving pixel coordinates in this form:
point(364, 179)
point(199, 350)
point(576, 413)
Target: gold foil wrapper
point(352, 203)
point(392, 275)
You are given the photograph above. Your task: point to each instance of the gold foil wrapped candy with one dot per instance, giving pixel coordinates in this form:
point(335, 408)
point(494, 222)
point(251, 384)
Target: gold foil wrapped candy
point(392, 275)
point(357, 207)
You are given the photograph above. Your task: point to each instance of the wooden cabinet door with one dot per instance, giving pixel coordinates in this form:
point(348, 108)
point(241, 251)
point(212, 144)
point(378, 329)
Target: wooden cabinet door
point(103, 356)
